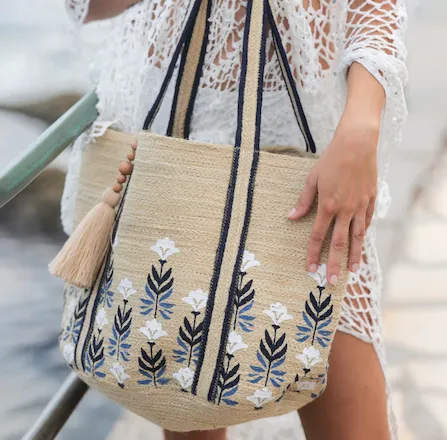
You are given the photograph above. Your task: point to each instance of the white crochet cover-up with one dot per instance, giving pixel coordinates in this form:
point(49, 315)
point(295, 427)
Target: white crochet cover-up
point(323, 38)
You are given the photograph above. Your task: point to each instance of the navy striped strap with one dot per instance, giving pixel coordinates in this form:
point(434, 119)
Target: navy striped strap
point(190, 57)
point(290, 82)
point(189, 74)
point(184, 37)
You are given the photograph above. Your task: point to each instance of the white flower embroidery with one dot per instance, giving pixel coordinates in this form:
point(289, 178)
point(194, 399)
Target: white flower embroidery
point(184, 377)
point(305, 385)
point(310, 357)
point(119, 372)
point(261, 397)
point(69, 353)
point(153, 330)
point(196, 299)
point(235, 343)
point(165, 248)
point(71, 306)
point(278, 313)
point(126, 288)
point(248, 261)
point(320, 275)
point(101, 318)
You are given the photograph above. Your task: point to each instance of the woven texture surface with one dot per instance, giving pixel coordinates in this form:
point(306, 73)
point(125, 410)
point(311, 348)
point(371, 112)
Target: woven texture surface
point(153, 293)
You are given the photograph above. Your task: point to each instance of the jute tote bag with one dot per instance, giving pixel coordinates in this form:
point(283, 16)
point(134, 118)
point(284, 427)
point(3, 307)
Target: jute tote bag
point(202, 314)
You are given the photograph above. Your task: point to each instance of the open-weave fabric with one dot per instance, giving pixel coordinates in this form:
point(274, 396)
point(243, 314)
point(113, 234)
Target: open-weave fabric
point(323, 38)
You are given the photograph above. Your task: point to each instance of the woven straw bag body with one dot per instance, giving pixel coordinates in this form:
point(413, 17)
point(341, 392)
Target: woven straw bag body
point(203, 314)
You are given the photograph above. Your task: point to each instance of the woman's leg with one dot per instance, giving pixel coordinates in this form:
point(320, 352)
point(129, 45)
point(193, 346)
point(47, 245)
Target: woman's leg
point(354, 405)
point(218, 434)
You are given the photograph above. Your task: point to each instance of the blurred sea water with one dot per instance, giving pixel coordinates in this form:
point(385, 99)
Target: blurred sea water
point(38, 61)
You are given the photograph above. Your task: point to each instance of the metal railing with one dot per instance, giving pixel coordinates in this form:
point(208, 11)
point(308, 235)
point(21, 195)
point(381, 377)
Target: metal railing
point(58, 410)
point(13, 179)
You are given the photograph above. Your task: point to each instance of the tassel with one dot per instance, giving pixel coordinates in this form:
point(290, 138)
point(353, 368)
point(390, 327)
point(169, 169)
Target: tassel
point(84, 252)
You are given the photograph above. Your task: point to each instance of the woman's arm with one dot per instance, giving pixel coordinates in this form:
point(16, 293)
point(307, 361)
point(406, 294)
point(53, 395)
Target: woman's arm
point(84, 11)
point(345, 176)
point(102, 9)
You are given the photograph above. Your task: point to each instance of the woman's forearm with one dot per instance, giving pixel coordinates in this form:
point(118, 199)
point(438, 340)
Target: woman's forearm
point(364, 103)
point(102, 9)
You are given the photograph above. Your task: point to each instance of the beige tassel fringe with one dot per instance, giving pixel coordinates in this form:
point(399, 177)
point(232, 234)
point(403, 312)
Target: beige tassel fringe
point(80, 259)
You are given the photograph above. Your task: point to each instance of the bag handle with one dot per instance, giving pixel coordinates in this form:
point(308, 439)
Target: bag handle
point(189, 75)
point(185, 41)
point(187, 84)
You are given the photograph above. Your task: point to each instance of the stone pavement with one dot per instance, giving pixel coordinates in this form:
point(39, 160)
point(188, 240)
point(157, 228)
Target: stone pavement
point(415, 317)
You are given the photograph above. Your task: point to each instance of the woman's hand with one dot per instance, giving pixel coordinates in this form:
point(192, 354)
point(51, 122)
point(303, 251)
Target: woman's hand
point(345, 178)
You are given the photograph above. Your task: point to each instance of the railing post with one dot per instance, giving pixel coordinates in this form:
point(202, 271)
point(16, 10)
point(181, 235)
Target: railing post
point(58, 410)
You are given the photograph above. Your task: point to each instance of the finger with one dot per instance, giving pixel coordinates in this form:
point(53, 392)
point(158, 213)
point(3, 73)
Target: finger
point(305, 200)
point(370, 213)
point(358, 232)
point(319, 231)
point(338, 245)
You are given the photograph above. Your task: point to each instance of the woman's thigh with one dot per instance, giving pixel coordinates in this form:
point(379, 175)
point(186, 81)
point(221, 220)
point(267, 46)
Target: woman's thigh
point(218, 434)
point(354, 405)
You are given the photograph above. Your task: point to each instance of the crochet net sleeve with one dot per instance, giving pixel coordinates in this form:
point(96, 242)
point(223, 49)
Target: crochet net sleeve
point(77, 10)
point(373, 36)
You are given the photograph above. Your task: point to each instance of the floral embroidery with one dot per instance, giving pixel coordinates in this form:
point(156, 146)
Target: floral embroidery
point(160, 283)
point(244, 296)
point(320, 275)
point(119, 345)
point(248, 261)
point(317, 315)
point(119, 373)
point(159, 288)
point(235, 343)
point(126, 288)
point(272, 350)
point(260, 398)
point(309, 357)
point(101, 319)
point(75, 312)
point(153, 330)
point(229, 378)
point(153, 363)
point(277, 313)
point(165, 248)
point(68, 353)
point(185, 377)
point(196, 299)
point(190, 333)
point(305, 385)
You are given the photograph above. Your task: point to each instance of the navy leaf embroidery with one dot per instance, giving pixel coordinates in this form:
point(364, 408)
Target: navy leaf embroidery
point(271, 355)
point(243, 302)
point(118, 343)
point(317, 316)
point(159, 288)
point(152, 365)
point(95, 355)
point(189, 338)
point(228, 382)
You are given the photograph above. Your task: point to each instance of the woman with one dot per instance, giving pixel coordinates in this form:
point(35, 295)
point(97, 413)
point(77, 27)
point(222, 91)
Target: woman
point(348, 58)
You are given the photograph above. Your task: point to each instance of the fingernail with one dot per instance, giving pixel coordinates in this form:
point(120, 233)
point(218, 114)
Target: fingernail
point(355, 267)
point(292, 212)
point(333, 279)
point(313, 268)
